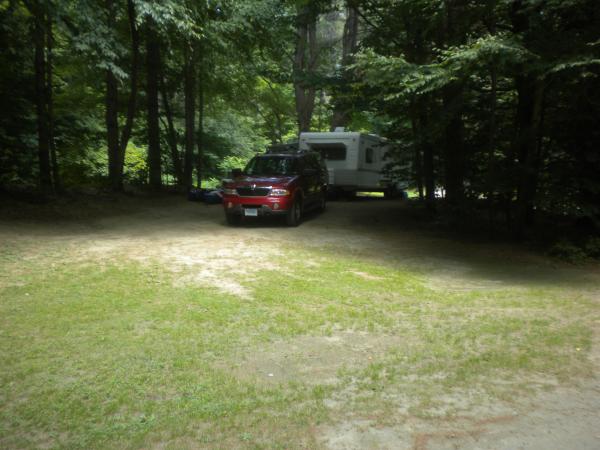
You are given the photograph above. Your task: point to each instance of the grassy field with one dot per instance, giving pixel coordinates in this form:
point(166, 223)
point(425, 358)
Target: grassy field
point(118, 353)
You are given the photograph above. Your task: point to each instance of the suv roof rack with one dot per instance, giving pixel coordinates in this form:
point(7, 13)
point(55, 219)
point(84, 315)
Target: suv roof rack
point(285, 148)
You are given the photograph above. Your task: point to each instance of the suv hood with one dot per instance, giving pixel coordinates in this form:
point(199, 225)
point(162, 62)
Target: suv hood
point(264, 181)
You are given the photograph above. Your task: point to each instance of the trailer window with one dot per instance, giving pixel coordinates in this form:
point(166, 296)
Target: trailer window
point(331, 152)
point(369, 156)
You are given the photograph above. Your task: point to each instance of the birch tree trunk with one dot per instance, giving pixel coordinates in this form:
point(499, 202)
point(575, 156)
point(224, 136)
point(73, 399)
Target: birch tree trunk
point(341, 112)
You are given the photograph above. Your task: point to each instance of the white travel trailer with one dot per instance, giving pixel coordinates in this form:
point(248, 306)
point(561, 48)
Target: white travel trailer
point(354, 160)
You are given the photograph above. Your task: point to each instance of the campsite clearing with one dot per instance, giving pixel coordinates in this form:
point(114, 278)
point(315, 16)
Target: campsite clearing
point(148, 323)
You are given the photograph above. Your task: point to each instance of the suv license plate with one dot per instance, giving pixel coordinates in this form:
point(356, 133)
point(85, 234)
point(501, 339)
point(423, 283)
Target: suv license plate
point(251, 212)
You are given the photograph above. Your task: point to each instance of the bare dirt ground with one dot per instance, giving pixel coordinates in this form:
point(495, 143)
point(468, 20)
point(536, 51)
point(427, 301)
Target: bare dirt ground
point(193, 239)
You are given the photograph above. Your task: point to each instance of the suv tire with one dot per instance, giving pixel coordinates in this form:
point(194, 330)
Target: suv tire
point(292, 218)
point(322, 202)
point(233, 219)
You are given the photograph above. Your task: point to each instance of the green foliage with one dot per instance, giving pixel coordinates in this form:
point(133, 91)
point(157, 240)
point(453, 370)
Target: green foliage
point(398, 78)
point(136, 165)
point(211, 183)
point(81, 169)
point(431, 83)
point(446, 76)
point(232, 162)
point(592, 247)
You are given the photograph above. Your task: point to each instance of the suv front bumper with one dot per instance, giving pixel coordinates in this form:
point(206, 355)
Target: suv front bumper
point(265, 206)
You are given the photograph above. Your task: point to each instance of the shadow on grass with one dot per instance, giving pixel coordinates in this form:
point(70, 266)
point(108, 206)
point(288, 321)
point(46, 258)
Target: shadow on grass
point(390, 232)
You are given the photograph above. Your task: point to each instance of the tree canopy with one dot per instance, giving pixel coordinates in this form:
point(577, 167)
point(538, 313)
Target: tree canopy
point(495, 104)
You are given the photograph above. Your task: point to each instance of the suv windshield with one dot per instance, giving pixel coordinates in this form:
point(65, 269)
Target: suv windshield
point(272, 165)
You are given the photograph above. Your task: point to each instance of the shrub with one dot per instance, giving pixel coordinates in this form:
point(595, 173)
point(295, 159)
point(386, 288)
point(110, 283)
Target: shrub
point(567, 251)
point(592, 247)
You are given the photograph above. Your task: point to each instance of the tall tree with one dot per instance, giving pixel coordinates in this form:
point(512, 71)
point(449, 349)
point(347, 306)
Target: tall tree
point(530, 93)
point(341, 111)
point(452, 97)
point(190, 112)
point(112, 110)
point(152, 82)
point(50, 101)
point(171, 133)
point(200, 138)
point(117, 146)
point(305, 62)
point(41, 94)
point(133, 86)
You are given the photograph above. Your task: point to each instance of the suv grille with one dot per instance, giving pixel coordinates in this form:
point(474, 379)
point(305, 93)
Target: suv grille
point(256, 192)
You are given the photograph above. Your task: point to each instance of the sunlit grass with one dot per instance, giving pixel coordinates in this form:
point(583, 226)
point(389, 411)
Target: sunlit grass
point(120, 355)
point(370, 194)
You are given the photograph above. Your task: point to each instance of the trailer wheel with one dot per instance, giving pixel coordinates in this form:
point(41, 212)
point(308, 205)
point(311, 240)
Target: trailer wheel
point(390, 193)
point(350, 195)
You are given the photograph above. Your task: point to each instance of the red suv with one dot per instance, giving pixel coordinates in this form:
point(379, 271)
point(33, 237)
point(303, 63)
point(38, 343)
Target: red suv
point(285, 184)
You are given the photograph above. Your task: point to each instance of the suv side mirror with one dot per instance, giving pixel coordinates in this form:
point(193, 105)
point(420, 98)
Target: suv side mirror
point(236, 173)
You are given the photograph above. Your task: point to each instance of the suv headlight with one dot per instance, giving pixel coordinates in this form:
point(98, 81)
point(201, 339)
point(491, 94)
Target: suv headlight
point(279, 192)
point(229, 191)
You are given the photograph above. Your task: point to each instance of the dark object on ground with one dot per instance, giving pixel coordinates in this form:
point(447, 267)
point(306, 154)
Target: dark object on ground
point(209, 196)
point(196, 195)
point(213, 197)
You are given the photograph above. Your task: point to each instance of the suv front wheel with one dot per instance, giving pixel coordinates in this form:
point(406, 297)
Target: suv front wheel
point(322, 203)
point(292, 218)
point(233, 219)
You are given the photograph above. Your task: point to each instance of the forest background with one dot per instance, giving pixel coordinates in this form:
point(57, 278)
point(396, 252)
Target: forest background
point(494, 103)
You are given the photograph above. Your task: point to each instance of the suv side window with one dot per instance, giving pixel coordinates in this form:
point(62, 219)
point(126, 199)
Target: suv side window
point(311, 161)
point(320, 161)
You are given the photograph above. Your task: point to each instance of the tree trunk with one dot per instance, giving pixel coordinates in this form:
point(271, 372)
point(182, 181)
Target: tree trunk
point(427, 152)
point(199, 140)
point(50, 104)
point(529, 113)
point(530, 92)
point(454, 159)
point(45, 177)
point(152, 80)
point(131, 105)
point(418, 158)
point(341, 113)
point(304, 66)
point(171, 135)
point(278, 128)
point(112, 113)
point(112, 129)
point(190, 115)
point(452, 97)
point(492, 144)
point(428, 173)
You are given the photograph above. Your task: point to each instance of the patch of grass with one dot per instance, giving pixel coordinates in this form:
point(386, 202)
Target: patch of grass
point(120, 355)
point(370, 194)
point(94, 357)
point(485, 339)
